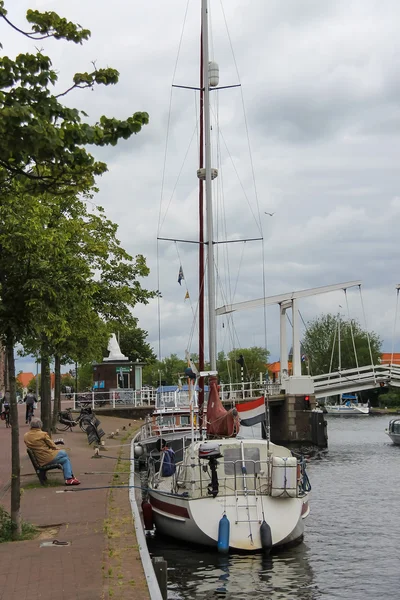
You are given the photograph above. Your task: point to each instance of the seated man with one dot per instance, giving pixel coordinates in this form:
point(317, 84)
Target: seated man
point(46, 451)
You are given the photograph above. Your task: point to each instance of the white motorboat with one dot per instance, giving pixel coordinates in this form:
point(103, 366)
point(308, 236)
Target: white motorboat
point(393, 431)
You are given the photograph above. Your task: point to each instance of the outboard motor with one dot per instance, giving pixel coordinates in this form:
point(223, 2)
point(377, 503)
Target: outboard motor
point(210, 451)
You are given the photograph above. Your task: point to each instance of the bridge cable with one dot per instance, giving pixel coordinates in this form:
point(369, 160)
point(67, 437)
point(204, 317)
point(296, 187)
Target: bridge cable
point(351, 330)
point(394, 331)
point(368, 338)
point(333, 351)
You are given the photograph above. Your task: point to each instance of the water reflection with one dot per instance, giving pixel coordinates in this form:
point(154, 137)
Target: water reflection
point(200, 574)
point(351, 547)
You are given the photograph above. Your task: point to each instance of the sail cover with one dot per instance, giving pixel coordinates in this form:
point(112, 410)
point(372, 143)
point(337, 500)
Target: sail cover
point(220, 422)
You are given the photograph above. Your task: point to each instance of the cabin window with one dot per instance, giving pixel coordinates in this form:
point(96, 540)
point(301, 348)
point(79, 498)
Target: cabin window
point(233, 461)
point(184, 420)
point(167, 421)
point(396, 427)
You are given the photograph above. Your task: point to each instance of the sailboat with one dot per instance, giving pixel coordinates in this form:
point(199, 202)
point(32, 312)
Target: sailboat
point(348, 405)
point(216, 484)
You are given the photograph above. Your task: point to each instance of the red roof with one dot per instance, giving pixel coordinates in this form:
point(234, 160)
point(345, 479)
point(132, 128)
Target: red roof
point(25, 378)
point(388, 357)
point(275, 367)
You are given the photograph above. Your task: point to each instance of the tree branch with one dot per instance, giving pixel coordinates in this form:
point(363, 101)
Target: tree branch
point(29, 34)
point(82, 87)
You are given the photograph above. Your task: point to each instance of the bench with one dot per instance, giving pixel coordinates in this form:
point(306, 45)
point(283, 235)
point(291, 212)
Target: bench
point(41, 471)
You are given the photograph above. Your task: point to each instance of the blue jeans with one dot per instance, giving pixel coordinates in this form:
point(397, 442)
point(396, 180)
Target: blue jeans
point(62, 458)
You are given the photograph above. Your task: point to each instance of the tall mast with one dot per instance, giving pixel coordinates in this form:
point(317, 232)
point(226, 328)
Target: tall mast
point(210, 228)
point(201, 242)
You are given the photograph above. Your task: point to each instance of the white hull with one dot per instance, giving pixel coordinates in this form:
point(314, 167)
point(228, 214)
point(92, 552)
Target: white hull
point(342, 409)
point(196, 520)
point(395, 437)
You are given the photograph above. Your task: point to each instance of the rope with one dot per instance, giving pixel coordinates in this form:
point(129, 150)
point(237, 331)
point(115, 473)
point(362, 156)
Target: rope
point(351, 330)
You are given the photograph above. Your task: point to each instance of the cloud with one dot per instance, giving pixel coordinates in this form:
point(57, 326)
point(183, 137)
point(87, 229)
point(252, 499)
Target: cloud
point(320, 84)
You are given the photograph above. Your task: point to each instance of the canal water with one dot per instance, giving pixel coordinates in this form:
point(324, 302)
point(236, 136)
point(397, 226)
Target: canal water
point(351, 547)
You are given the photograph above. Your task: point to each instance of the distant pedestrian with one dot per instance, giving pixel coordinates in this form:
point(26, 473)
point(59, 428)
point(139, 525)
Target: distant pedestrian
point(46, 452)
point(30, 400)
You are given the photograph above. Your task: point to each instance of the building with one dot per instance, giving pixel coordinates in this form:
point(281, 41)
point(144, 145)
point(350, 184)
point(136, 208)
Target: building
point(274, 370)
point(388, 358)
point(24, 379)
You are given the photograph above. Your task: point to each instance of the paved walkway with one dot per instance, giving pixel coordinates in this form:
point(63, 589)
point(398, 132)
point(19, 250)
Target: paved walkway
point(79, 571)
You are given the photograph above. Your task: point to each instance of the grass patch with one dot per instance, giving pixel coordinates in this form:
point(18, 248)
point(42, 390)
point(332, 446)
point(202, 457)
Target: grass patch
point(50, 483)
point(7, 527)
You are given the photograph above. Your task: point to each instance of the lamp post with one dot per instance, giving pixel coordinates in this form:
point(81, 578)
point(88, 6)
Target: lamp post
point(76, 377)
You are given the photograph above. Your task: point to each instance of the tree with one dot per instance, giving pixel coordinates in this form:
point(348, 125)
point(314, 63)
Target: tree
point(254, 362)
point(41, 139)
point(168, 370)
point(321, 345)
point(132, 340)
point(43, 149)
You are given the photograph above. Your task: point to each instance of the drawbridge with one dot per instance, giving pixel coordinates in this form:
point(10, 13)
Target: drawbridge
point(336, 382)
point(356, 380)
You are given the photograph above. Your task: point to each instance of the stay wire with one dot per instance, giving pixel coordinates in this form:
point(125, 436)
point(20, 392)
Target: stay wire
point(351, 330)
point(163, 177)
point(366, 329)
point(394, 330)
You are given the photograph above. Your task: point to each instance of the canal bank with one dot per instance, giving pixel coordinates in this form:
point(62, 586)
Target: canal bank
point(101, 559)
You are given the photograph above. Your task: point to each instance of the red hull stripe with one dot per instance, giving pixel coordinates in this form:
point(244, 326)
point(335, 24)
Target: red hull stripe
point(250, 405)
point(180, 511)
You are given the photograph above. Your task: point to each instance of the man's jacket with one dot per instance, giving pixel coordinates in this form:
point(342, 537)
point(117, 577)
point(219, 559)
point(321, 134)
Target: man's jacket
point(42, 445)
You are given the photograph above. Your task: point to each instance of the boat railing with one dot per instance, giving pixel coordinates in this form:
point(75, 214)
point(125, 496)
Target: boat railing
point(253, 478)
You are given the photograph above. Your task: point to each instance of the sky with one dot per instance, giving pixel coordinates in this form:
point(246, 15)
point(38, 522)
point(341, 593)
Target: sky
point(320, 86)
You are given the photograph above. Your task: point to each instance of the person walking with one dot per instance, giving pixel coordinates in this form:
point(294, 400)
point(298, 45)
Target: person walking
point(30, 401)
point(46, 452)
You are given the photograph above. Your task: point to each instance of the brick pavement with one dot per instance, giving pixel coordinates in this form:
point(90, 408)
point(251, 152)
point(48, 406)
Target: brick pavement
point(74, 572)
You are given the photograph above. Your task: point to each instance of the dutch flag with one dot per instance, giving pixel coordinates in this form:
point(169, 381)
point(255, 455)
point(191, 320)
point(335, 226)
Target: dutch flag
point(251, 413)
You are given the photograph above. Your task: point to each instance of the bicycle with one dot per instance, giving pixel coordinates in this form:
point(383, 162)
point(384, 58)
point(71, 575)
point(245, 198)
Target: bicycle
point(8, 419)
point(30, 413)
point(66, 420)
point(5, 415)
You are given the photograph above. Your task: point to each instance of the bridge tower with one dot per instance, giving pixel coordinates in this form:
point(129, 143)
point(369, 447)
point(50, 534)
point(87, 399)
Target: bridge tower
point(296, 383)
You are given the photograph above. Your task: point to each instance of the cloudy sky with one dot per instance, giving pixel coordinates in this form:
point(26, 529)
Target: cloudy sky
point(320, 82)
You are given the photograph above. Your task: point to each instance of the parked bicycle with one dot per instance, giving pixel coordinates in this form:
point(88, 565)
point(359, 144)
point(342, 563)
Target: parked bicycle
point(66, 419)
point(5, 415)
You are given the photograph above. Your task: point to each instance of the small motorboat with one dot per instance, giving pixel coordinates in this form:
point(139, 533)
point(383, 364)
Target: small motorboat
point(393, 431)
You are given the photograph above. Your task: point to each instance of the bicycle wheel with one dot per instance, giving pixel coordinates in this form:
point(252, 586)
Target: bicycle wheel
point(62, 427)
point(83, 424)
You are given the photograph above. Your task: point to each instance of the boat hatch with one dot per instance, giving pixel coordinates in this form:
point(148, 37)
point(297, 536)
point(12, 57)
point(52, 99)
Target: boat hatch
point(233, 461)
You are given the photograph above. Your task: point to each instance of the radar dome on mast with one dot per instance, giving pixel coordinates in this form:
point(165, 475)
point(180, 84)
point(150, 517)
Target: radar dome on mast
point(213, 74)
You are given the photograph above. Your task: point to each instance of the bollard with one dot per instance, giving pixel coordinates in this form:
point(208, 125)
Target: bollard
point(160, 569)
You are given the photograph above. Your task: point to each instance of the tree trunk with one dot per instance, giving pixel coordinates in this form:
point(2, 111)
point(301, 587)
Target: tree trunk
point(15, 459)
point(57, 392)
point(45, 393)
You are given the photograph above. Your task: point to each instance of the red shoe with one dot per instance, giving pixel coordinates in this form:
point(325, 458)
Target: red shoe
point(72, 481)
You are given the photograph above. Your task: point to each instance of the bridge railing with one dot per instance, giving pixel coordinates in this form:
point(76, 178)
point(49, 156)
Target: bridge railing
point(364, 377)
